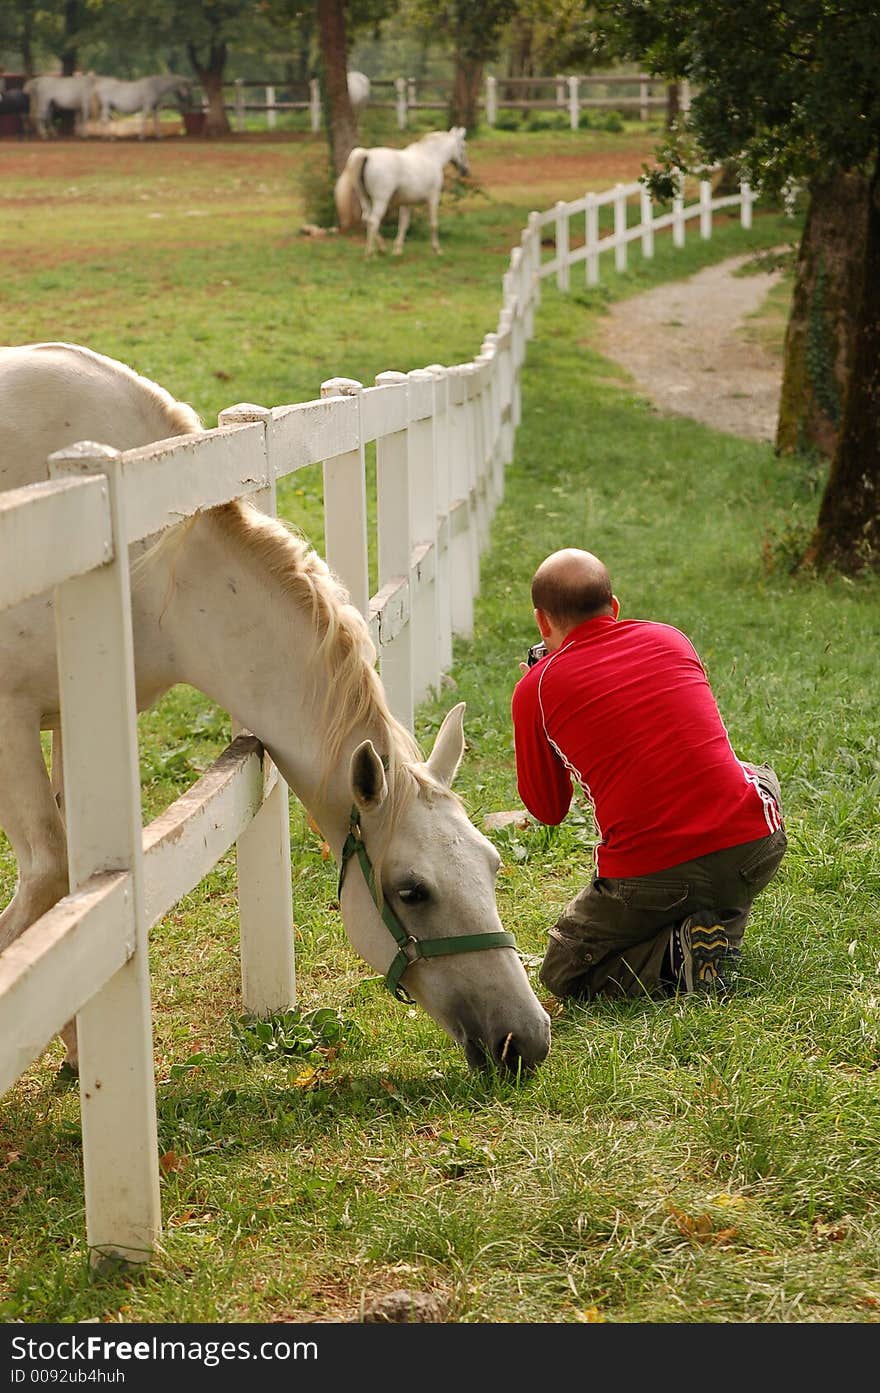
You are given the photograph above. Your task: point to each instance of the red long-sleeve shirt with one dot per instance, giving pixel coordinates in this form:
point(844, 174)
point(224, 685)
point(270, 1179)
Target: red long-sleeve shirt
point(625, 710)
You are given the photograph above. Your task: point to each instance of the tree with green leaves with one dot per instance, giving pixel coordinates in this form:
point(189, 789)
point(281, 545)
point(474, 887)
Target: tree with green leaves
point(790, 91)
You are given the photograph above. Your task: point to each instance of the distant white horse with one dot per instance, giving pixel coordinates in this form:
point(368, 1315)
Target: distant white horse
point(381, 178)
point(237, 606)
point(358, 90)
point(66, 93)
point(145, 95)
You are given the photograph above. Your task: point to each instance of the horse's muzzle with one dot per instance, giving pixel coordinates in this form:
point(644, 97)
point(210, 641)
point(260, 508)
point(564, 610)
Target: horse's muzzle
point(510, 1054)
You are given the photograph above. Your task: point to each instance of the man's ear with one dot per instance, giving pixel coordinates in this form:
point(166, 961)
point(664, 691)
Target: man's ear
point(544, 623)
point(615, 606)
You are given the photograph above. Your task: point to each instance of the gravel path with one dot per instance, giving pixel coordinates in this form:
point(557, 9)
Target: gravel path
point(682, 346)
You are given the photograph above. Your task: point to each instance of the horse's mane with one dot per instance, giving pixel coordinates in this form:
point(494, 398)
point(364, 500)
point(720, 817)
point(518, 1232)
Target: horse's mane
point(354, 695)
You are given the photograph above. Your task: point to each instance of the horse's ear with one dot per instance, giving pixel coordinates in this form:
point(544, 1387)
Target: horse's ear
point(369, 787)
point(446, 755)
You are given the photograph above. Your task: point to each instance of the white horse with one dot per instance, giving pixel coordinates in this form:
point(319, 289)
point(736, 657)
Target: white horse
point(380, 178)
point(233, 603)
point(358, 90)
point(66, 93)
point(145, 95)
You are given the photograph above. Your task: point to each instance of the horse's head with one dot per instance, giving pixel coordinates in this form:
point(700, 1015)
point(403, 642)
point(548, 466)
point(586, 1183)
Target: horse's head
point(181, 89)
point(459, 153)
point(437, 935)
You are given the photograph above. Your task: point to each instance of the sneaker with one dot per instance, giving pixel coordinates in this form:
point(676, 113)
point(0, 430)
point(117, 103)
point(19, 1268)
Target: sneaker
point(700, 956)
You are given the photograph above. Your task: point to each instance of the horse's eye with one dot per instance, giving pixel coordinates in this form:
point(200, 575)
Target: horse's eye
point(413, 892)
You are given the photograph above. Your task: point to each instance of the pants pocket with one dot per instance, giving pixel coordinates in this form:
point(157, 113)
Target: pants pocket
point(652, 895)
point(760, 866)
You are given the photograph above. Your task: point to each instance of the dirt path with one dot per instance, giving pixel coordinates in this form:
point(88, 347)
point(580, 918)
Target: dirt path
point(683, 347)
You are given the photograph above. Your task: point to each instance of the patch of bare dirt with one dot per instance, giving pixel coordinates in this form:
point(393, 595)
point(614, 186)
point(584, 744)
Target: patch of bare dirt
point(683, 346)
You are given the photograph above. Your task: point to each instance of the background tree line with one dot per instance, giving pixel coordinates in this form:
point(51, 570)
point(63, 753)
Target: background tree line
point(784, 94)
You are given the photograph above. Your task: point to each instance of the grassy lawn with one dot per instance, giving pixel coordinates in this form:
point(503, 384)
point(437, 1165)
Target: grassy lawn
point(682, 1161)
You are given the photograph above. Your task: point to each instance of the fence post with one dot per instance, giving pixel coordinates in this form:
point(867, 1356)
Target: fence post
point(534, 253)
point(705, 209)
point(425, 614)
point(239, 104)
point(647, 219)
point(395, 550)
point(400, 88)
point(491, 100)
point(314, 104)
point(560, 90)
point(591, 234)
point(508, 385)
point(489, 351)
point(102, 802)
point(644, 109)
point(745, 210)
point(678, 228)
point(619, 228)
point(574, 106)
point(265, 886)
point(563, 271)
point(442, 499)
point(271, 113)
point(411, 91)
point(461, 528)
point(685, 96)
point(345, 508)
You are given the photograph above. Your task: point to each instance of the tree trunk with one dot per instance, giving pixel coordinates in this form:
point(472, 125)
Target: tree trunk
point(673, 104)
point(70, 39)
point(847, 535)
point(819, 336)
point(464, 102)
point(341, 124)
point(210, 76)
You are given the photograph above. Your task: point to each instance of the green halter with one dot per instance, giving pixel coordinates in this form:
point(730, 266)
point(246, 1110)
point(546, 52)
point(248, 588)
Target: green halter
point(410, 949)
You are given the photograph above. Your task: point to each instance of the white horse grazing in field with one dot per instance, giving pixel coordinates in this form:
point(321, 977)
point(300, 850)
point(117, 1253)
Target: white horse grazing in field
point(382, 178)
point(66, 93)
point(358, 90)
point(145, 95)
point(233, 603)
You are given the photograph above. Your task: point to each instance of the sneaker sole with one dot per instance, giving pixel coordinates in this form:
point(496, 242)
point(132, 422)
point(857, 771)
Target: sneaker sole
point(708, 946)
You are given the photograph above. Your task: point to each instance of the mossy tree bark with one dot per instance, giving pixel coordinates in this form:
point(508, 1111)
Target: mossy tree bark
point(820, 336)
point(210, 73)
point(847, 535)
point(341, 123)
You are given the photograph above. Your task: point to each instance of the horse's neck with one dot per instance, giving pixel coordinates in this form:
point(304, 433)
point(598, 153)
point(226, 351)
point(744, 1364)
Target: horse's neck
point(232, 630)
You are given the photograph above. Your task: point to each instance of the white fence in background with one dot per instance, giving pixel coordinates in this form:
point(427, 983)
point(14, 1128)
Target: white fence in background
point(443, 436)
point(639, 94)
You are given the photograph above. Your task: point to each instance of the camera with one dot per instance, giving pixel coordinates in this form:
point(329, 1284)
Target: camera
point(536, 653)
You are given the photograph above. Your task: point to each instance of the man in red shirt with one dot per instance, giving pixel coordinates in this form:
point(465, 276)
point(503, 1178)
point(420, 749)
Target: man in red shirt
point(688, 833)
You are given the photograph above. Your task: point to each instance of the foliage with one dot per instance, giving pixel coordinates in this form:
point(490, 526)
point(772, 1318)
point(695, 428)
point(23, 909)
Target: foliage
point(789, 91)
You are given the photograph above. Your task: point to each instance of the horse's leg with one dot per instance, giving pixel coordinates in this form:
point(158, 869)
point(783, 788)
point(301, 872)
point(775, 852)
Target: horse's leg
point(433, 206)
point(402, 226)
point(30, 817)
point(373, 219)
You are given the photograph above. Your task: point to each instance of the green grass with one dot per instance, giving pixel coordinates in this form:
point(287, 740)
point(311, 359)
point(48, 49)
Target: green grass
point(681, 1161)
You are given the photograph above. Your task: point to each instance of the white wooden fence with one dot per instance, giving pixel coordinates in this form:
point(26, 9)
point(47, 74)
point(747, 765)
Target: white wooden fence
point(443, 436)
point(638, 93)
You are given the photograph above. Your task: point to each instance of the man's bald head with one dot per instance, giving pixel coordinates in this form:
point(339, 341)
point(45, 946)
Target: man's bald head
point(571, 586)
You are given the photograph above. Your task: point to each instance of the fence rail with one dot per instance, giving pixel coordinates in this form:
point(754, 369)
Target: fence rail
point(443, 436)
point(406, 95)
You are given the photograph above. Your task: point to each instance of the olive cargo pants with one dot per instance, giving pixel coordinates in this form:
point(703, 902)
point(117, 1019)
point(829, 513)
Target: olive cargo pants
point(611, 939)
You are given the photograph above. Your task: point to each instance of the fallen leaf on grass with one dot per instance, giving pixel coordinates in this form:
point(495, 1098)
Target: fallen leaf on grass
point(171, 1161)
point(700, 1228)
